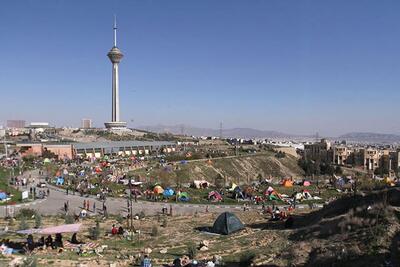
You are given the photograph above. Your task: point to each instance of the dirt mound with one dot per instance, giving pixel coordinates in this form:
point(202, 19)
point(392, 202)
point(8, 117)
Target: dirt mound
point(361, 230)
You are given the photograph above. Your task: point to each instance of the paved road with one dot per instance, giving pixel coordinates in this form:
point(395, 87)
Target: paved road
point(54, 204)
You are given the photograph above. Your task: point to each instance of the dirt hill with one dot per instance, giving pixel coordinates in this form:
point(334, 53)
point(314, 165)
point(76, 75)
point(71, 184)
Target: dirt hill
point(362, 230)
point(238, 169)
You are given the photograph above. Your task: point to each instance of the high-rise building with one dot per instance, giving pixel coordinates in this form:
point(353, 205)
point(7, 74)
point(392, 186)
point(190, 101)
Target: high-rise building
point(86, 123)
point(15, 124)
point(115, 55)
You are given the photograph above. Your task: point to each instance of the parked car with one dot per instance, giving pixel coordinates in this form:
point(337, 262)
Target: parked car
point(42, 185)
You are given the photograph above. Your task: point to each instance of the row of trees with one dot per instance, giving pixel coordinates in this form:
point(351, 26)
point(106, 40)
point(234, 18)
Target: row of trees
point(319, 168)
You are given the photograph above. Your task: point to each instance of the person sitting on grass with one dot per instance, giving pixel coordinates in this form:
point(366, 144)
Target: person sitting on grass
point(49, 242)
point(114, 230)
point(74, 240)
point(120, 230)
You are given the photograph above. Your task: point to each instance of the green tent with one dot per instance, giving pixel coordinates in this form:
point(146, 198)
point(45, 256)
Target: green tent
point(273, 197)
point(183, 196)
point(227, 223)
point(46, 160)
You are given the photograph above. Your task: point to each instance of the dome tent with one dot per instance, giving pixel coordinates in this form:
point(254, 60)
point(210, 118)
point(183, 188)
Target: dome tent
point(169, 192)
point(227, 223)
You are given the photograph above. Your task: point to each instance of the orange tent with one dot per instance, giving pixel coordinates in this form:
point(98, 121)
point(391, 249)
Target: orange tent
point(158, 190)
point(287, 183)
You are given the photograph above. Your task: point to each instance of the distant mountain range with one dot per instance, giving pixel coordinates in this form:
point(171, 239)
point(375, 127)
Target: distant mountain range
point(363, 137)
point(371, 137)
point(234, 132)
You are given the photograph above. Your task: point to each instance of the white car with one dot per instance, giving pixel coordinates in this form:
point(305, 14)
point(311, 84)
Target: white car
point(42, 185)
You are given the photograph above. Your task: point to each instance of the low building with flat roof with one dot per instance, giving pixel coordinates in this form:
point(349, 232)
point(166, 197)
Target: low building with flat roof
point(97, 149)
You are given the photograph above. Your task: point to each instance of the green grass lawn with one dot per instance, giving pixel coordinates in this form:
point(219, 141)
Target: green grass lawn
point(4, 186)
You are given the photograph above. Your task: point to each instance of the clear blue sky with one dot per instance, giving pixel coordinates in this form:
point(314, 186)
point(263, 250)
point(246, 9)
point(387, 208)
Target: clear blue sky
point(291, 66)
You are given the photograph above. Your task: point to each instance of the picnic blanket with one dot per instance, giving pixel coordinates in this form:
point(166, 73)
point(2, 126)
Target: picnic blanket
point(65, 228)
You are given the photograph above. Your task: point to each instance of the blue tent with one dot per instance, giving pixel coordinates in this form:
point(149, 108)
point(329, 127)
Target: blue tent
point(3, 195)
point(60, 180)
point(169, 192)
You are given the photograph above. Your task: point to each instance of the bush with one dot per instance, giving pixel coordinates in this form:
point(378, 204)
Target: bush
point(192, 251)
point(23, 225)
point(29, 262)
point(38, 221)
point(142, 215)
point(164, 222)
point(280, 155)
point(69, 219)
point(95, 231)
point(119, 219)
point(154, 231)
point(246, 259)
point(26, 213)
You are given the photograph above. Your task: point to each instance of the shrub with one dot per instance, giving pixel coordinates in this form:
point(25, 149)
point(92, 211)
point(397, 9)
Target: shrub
point(69, 219)
point(29, 262)
point(142, 215)
point(280, 155)
point(192, 251)
point(23, 224)
point(38, 221)
point(26, 213)
point(154, 231)
point(246, 259)
point(95, 231)
point(119, 218)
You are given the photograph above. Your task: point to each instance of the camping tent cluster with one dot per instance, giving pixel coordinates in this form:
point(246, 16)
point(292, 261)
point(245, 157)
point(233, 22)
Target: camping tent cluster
point(159, 191)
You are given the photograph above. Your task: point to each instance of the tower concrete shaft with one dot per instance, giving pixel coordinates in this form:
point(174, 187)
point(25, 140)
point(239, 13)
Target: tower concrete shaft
point(115, 92)
point(115, 55)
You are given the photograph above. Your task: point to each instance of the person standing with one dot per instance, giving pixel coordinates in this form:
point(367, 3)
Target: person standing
point(94, 207)
point(87, 205)
point(84, 203)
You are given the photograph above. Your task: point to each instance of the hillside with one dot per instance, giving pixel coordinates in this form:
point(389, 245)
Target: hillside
point(195, 131)
point(238, 169)
point(362, 230)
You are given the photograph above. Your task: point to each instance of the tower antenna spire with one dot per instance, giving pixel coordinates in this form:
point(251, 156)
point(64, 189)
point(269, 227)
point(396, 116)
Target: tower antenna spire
point(115, 31)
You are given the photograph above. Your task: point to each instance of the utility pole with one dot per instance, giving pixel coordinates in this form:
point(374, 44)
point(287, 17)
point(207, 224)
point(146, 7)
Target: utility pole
point(220, 130)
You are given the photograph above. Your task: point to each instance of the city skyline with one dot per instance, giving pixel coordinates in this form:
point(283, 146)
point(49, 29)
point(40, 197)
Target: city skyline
point(292, 67)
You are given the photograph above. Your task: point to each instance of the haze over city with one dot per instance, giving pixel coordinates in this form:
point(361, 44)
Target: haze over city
point(297, 67)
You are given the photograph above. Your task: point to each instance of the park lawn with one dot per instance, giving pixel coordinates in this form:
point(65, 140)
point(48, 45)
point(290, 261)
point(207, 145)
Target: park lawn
point(4, 186)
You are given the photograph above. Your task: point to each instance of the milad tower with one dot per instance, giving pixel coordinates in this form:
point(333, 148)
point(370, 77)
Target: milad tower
point(115, 55)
